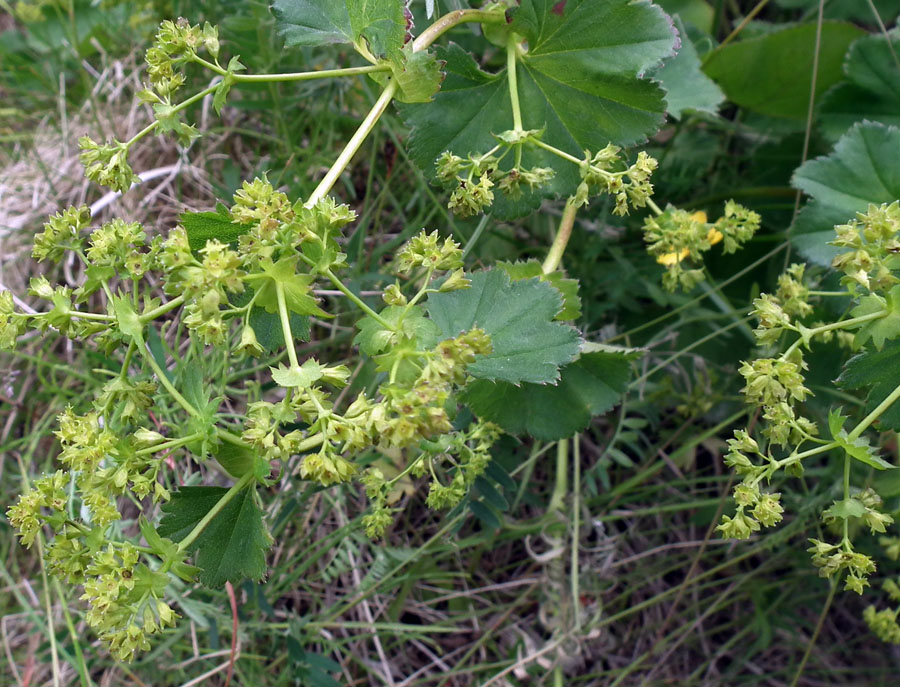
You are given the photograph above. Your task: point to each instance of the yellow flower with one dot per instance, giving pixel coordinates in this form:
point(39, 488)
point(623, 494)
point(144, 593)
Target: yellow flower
point(714, 236)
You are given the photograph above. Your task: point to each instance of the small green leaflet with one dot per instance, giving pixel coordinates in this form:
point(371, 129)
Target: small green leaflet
point(571, 309)
point(844, 509)
point(879, 371)
point(528, 346)
point(302, 376)
point(882, 328)
point(863, 168)
point(233, 546)
point(374, 339)
point(203, 226)
point(872, 89)
point(590, 386)
point(297, 288)
point(687, 87)
point(128, 320)
point(858, 448)
point(579, 82)
point(771, 74)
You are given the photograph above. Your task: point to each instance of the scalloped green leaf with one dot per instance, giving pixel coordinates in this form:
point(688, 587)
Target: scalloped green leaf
point(590, 386)
point(771, 74)
point(579, 81)
point(571, 309)
point(862, 169)
point(233, 546)
point(877, 371)
point(872, 90)
point(297, 288)
point(688, 89)
point(519, 316)
point(380, 24)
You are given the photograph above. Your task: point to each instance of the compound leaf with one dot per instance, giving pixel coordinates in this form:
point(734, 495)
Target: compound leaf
point(528, 346)
point(233, 545)
point(862, 169)
point(591, 385)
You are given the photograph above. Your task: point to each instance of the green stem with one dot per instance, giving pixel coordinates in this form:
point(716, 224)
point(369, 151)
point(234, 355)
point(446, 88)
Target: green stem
point(653, 206)
point(511, 46)
point(425, 39)
point(164, 380)
point(357, 300)
point(562, 472)
point(874, 415)
point(166, 445)
point(293, 76)
point(451, 19)
point(843, 324)
point(214, 511)
point(846, 540)
point(286, 325)
point(360, 135)
point(161, 310)
point(177, 108)
point(556, 151)
point(92, 316)
point(554, 257)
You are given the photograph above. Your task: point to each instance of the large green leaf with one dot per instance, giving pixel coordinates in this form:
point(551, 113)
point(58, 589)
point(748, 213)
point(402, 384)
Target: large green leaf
point(879, 372)
point(863, 168)
point(687, 87)
point(587, 387)
point(772, 74)
point(567, 287)
point(872, 91)
point(381, 24)
point(528, 346)
point(233, 545)
point(578, 81)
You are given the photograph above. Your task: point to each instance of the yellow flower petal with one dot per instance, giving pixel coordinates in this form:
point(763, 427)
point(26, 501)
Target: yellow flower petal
point(669, 259)
point(699, 216)
point(714, 236)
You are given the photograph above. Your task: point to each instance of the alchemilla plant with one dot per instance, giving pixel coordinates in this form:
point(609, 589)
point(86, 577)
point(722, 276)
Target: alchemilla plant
point(195, 313)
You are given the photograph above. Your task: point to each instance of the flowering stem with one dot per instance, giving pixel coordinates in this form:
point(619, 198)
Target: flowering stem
point(353, 144)
point(358, 301)
point(843, 324)
point(653, 206)
point(554, 257)
point(451, 19)
point(846, 540)
point(164, 380)
point(177, 108)
point(173, 443)
point(292, 76)
point(286, 325)
point(161, 310)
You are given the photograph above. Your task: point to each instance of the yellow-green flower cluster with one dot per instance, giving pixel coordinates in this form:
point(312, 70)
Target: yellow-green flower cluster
point(872, 248)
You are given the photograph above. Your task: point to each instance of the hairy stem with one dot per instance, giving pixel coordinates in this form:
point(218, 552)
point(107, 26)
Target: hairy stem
point(451, 19)
point(293, 76)
point(357, 300)
point(177, 108)
point(360, 135)
point(162, 310)
point(164, 380)
point(286, 325)
point(554, 257)
point(511, 47)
